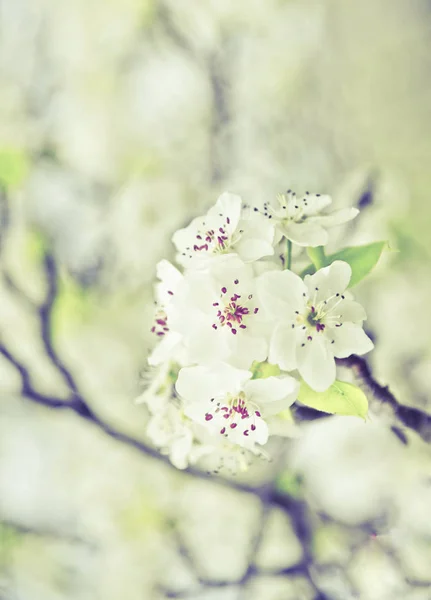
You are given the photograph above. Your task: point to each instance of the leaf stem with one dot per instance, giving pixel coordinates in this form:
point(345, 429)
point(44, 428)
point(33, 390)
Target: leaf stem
point(289, 255)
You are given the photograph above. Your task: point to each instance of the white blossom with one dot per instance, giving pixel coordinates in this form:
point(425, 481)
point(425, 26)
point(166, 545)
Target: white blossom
point(227, 228)
point(159, 386)
point(217, 315)
point(314, 321)
point(302, 220)
point(169, 346)
point(230, 404)
point(172, 433)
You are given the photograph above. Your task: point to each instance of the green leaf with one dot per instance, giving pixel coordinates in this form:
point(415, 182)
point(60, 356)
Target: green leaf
point(317, 256)
point(262, 370)
point(362, 260)
point(340, 399)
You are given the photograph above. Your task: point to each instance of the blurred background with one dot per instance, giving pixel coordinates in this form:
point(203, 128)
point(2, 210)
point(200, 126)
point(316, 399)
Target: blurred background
point(120, 120)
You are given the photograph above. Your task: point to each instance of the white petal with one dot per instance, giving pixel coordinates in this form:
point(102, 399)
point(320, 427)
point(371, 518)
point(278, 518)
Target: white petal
point(273, 394)
point(305, 234)
point(281, 293)
point(185, 237)
point(351, 311)
point(206, 346)
point(246, 348)
point(257, 238)
point(316, 363)
point(199, 384)
point(282, 348)
point(170, 278)
point(167, 272)
point(350, 339)
point(314, 203)
point(329, 281)
point(180, 449)
point(338, 217)
point(252, 249)
point(228, 205)
point(165, 349)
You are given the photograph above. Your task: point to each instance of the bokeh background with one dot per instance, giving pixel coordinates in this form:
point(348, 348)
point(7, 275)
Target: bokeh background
point(122, 119)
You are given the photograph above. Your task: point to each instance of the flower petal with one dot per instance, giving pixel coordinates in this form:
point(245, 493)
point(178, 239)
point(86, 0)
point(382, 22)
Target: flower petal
point(165, 349)
point(273, 393)
point(281, 293)
point(253, 249)
point(312, 204)
point(228, 205)
point(305, 234)
point(329, 281)
point(199, 384)
point(316, 363)
point(350, 339)
point(338, 217)
point(282, 347)
point(351, 311)
point(257, 238)
point(180, 449)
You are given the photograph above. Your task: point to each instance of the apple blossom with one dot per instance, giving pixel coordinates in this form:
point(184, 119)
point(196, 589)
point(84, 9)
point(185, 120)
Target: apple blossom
point(314, 321)
point(159, 386)
point(227, 228)
point(302, 221)
point(217, 314)
point(169, 346)
point(230, 404)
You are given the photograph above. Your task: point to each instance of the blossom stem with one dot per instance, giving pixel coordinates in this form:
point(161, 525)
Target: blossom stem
point(288, 262)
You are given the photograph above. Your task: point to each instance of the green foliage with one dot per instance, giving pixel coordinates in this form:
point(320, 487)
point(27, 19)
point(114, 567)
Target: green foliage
point(13, 167)
point(317, 257)
point(340, 399)
point(362, 259)
point(263, 370)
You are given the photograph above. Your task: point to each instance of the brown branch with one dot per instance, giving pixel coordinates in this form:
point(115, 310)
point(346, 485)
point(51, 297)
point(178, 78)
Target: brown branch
point(413, 418)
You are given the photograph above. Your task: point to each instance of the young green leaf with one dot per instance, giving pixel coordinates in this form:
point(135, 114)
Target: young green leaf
point(362, 260)
point(262, 370)
point(340, 399)
point(317, 256)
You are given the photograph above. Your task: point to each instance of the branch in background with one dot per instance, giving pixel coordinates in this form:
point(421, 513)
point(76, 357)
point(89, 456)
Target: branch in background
point(296, 509)
point(39, 531)
point(269, 497)
point(410, 417)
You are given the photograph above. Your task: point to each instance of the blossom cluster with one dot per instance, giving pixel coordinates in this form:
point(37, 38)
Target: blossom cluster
point(238, 330)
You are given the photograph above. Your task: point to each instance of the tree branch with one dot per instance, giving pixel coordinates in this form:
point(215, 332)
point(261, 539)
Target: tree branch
point(413, 418)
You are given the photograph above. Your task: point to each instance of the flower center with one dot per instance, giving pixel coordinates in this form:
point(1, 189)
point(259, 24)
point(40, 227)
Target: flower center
point(237, 411)
point(232, 310)
point(160, 327)
point(314, 319)
point(214, 240)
